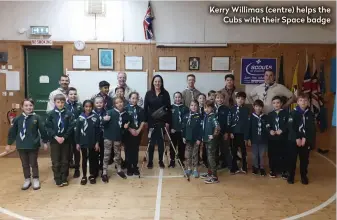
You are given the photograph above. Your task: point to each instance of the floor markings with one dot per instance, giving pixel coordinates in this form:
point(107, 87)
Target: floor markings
point(158, 200)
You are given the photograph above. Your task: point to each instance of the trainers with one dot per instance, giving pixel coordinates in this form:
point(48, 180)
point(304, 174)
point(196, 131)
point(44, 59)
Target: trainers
point(255, 171)
point(36, 184)
point(84, 180)
point(65, 183)
point(121, 174)
point(26, 184)
point(161, 164)
point(304, 180)
point(136, 171)
point(58, 183)
point(77, 174)
point(172, 164)
point(196, 174)
point(129, 172)
point(284, 175)
point(234, 171)
point(92, 180)
point(188, 172)
point(150, 165)
point(244, 170)
point(211, 180)
point(262, 172)
point(204, 176)
point(105, 178)
point(272, 174)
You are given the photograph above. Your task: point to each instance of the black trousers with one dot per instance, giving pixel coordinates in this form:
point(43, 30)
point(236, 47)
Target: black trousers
point(303, 153)
point(101, 151)
point(29, 161)
point(239, 142)
point(157, 137)
point(177, 140)
point(59, 154)
point(92, 155)
point(277, 154)
point(132, 150)
point(75, 155)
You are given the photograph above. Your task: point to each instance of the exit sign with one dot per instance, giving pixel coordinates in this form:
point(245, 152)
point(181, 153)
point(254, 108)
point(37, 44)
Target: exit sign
point(39, 30)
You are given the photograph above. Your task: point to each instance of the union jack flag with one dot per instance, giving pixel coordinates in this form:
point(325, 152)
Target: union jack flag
point(306, 86)
point(147, 23)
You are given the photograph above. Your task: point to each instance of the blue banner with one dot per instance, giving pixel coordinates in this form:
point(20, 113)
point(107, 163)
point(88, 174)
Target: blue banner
point(252, 69)
point(334, 113)
point(333, 75)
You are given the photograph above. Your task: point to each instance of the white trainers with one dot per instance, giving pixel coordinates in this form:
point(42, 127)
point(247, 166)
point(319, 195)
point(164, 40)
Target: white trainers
point(36, 184)
point(26, 184)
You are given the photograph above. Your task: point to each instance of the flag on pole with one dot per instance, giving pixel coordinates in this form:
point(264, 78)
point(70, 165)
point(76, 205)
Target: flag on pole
point(147, 23)
point(294, 87)
point(322, 79)
point(306, 87)
point(322, 117)
point(280, 75)
point(316, 101)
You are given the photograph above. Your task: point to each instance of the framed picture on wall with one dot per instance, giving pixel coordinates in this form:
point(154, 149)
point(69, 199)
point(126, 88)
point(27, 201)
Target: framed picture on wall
point(105, 59)
point(81, 62)
point(194, 63)
point(220, 63)
point(168, 63)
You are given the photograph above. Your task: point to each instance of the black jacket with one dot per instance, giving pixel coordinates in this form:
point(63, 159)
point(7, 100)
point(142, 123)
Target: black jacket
point(298, 131)
point(258, 129)
point(221, 113)
point(240, 126)
point(278, 121)
point(87, 132)
point(192, 127)
point(153, 103)
point(114, 128)
point(53, 128)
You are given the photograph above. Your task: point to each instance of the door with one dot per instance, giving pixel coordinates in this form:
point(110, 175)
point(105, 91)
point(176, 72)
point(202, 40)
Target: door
point(44, 66)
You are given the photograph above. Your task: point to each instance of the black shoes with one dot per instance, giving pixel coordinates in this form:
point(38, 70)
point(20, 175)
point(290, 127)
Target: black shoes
point(130, 171)
point(255, 171)
point(272, 174)
point(136, 171)
point(161, 164)
point(290, 180)
point(172, 164)
point(121, 174)
point(77, 173)
point(304, 180)
point(322, 151)
point(105, 178)
point(84, 180)
point(284, 175)
point(92, 180)
point(262, 172)
point(150, 165)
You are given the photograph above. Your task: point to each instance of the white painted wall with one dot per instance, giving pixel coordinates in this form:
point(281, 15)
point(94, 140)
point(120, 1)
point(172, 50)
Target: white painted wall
point(175, 22)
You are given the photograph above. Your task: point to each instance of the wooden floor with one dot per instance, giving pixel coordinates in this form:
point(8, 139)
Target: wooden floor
point(241, 197)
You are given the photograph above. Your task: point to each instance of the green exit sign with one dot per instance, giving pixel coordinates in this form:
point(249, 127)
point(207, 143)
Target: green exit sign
point(39, 30)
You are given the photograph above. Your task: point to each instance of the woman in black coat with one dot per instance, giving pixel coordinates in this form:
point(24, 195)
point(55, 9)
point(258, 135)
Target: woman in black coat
point(154, 99)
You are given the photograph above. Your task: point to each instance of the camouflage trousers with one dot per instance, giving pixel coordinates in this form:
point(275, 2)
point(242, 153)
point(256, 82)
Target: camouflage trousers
point(192, 154)
point(107, 153)
point(211, 157)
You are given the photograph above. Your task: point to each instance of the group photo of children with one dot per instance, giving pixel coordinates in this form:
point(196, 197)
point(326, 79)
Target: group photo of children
point(211, 129)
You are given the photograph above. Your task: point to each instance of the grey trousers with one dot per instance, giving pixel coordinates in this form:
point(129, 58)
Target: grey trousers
point(258, 154)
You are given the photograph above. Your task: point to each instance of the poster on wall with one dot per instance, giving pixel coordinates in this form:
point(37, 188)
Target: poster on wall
point(252, 69)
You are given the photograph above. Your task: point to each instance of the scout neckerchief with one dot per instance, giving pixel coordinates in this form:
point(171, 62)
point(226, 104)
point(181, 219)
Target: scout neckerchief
point(192, 92)
point(217, 110)
point(259, 123)
point(230, 94)
point(85, 125)
point(190, 116)
point(179, 112)
point(302, 126)
point(237, 115)
point(266, 87)
point(24, 125)
point(72, 104)
point(277, 119)
point(120, 120)
point(60, 120)
point(134, 114)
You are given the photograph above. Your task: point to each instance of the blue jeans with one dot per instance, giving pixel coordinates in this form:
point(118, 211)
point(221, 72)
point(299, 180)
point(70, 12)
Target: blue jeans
point(258, 154)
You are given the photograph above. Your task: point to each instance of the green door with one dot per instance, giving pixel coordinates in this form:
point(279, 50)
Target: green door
point(44, 66)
